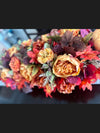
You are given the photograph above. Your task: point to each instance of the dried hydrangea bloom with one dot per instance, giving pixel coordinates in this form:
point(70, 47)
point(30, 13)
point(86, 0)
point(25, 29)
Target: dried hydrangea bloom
point(45, 55)
point(66, 65)
point(15, 64)
point(12, 51)
point(5, 74)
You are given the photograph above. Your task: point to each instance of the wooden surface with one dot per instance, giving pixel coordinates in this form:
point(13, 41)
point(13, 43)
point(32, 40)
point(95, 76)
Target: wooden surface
point(7, 96)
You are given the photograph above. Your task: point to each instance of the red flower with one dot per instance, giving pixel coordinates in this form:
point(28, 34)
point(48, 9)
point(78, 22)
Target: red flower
point(10, 83)
point(33, 55)
point(89, 77)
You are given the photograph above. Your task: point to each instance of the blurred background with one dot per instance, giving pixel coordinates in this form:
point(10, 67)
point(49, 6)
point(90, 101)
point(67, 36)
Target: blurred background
point(9, 37)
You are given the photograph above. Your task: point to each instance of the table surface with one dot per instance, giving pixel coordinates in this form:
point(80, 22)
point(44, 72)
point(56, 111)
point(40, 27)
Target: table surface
point(7, 96)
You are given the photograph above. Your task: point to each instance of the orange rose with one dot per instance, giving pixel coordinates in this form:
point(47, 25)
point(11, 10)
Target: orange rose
point(45, 55)
point(66, 65)
point(15, 64)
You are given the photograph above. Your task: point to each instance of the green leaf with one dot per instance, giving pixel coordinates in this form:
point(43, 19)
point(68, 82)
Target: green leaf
point(87, 37)
point(48, 73)
point(44, 66)
point(42, 75)
point(45, 81)
point(19, 42)
point(46, 45)
point(35, 70)
point(52, 78)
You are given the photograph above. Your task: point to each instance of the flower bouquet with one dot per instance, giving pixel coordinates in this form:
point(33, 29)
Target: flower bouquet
point(57, 61)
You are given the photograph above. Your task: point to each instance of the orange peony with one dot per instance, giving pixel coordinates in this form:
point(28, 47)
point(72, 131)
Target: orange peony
point(15, 64)
point(45, 55)
point(37, 81)
point(66, 65)
point(27, 72)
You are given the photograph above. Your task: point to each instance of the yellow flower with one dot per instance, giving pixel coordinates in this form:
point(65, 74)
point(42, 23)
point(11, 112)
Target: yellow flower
point(75, 31)
point(27, 72)
point(66, 65)
point(45, 55)
point(12, 51)
point(5, 74)
point(44, 37)
point(27, 43)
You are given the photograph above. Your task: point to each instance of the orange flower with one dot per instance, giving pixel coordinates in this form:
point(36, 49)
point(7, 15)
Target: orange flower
point(44, 38)
point(17, 76)
point(65, 88)
point(12, 51)
point(45, 55)
point(15, 64)
point(26, 71)
point(27, 43)
point(66, 65)
point(37, 81)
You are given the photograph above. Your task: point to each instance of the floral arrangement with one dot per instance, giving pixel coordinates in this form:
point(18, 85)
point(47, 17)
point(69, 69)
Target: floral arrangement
point(57, 61)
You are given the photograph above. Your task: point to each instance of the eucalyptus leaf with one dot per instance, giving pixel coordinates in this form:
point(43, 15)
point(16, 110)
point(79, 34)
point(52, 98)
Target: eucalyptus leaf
point(44, 66)
point(46, 45)
point(48, 73)
point(45, 81)
point(52, 78)
point(42, 75)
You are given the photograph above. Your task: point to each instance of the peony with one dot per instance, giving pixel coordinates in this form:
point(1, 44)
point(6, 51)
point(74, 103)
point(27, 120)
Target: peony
point(27, 72)
point(14, 64)
point(63, 87)
point(5, 74)
point(66, 65)
point(12, 51)
point(96, 39)
point(45, 55)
